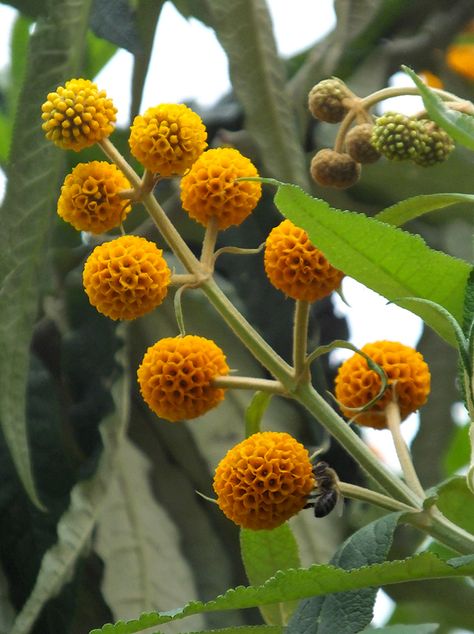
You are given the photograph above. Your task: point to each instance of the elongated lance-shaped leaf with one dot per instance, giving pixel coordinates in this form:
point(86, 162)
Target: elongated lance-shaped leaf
point(457, 124)
point(386, 259)
point(244, 29)
point(416, 206)
point(301, 583)
point(34, 168)
point(255, 411)
point(76, 525)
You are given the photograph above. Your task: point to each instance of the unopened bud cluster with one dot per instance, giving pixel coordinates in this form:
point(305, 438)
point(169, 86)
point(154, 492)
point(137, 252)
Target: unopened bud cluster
point(400, 137)
point(395, 136)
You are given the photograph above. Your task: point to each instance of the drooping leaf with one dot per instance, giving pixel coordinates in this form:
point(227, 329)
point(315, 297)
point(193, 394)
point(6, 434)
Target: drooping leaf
point(147, 17)
point(386, 259)
point(136, 535)
point(414, 207)
point(115, 22)
point(350, 610)
point(316, 580)
point(34, 168)
point(457, 455)
point(76, 525)
point(244, 29)
point(264, 553)
point(457, 124)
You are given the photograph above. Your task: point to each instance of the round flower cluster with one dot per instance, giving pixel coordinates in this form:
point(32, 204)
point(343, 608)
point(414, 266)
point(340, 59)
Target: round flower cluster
point(407, 373)
point(90, 199)
point(167, 139)
point(126, 278)
point(176, 377)
point(264, 480)
point(210, 188)
point(78, 115)
point(296, 267)
point(329, 100)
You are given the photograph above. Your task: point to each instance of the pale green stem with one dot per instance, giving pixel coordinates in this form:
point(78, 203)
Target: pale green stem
point(300, 338)
point(342, 432)
point(392, 412)
point(209, 243)
point(440, 528)
point(372, 497)
point(250, 383)
point(114, 155)
point(183, 279)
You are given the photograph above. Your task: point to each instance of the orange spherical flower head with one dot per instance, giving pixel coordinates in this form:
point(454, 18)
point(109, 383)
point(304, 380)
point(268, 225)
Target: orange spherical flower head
point(176, 377)
point(78, 115)
point(407, 373)
point(210, 188)
point(167, 139)
point(126, 278)
point(90, 199)
point(264, 480)
point(296, 267)
point(460, 59)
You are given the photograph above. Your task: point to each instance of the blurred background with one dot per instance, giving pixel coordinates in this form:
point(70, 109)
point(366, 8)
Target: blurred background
point(233, 65)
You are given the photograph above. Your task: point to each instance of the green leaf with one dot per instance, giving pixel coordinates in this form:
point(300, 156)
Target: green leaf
point(115, 22)
point(419, 628)
point(30, 201)
point(255, 411)
point(263, 554)
point(290, 585)
point(148, 14)
point(244, 29)
point(386, 259)
point(411, 302)
point(243, 629)
point(457, 124)
point(350, 610)
point(457, 455)
point(414, 207)
point(147, 554)
point(76, 525)
point(456, 501)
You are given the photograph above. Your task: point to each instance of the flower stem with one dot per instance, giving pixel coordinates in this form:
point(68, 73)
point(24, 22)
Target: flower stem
point(392, 413)
point(342, 432)
point(300, 338)
point(250, 383)
point(372, 497)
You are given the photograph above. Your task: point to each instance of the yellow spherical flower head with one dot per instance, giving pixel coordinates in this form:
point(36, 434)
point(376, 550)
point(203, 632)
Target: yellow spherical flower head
point(167, 139)
point(210, 189)
point(407, 374)
point(296, 267)
point(78, 115)
point(264, 480)
point(126, 278)
point(90, 199)
point(176, 377)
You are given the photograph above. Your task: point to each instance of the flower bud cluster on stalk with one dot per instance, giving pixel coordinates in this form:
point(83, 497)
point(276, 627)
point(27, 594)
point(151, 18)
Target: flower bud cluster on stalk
point(364, 138)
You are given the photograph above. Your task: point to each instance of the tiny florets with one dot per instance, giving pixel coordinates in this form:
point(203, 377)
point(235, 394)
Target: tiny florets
point(90, 199)
point(296, 267)
point(78, 115)
point(437, 147)
point(264, 480)
point(210, 188)
point(126, 277)
point(167, 139)
point(357, 384)
point(398, 137)
point(176, 377)
point(358, 144)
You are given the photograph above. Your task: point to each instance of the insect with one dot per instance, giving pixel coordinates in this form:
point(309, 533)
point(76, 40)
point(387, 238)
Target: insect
point(326, 494)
